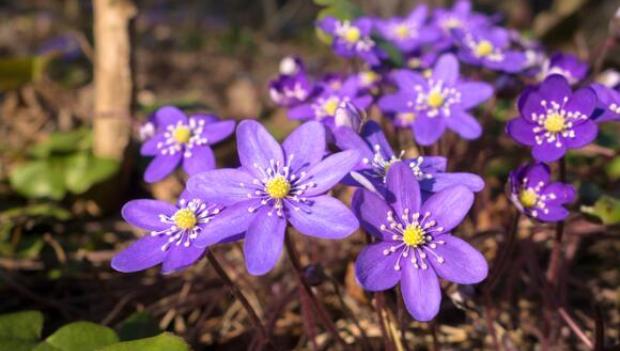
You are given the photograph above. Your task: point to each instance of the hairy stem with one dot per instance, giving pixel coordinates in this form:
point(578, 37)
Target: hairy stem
point(555, 261)
point(321, 311)
point(388, 342)
point(350, 315)
point(238, 295)
point(502, 258)
point(581, 335)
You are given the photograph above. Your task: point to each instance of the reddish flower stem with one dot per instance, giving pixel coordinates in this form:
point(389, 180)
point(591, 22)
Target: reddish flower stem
point(555, 261)
point(258, 325)
point(504, 255)
point(318, 306)
point(575, 328)
point(388, 343)
point(367, 345)
point(402, 319)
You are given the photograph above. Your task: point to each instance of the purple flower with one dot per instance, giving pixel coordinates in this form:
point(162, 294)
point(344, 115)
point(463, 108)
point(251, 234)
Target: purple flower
point(66, 46)
point(173, 231)
point(410, 32)
point(275, 185)
point(571, 67)
point(352, 38)
point(293, 86)
point(553, 119)
point(439, 101)
point(324, 105)
point(533, 193)
point(490, 48)
point(414, 243)
point(378, 157)
point(608, 108)
point(184, 140)
point(459, 17)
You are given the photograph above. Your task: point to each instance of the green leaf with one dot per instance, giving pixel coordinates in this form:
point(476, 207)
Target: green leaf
point(16, 344)
point(36, 210)
point(65, 164)
point(84, 170)
point(343, 10)
point(62, 143)
point(137, 326)
point(25, 325)
point(325, 2)
point(45, 346)
point(30, 246)
point(613, 168)
point(38, 179)
point(162, 342)
point(82, 336)
point(395, 56)
point(606, 208)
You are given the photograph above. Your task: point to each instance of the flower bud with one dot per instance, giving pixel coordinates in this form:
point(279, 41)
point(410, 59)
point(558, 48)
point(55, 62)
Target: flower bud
point(347, 115)
point(314, 274)
point(290, 65)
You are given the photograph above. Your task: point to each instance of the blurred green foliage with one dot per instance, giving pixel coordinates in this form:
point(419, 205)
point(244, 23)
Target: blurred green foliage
point(137, 326)
point(341, 9)
point(62, 163)
point(606, 208)
point(79, 336)
point(28, 247)
point(613, 168)
point(21, 331)
point(17, 71)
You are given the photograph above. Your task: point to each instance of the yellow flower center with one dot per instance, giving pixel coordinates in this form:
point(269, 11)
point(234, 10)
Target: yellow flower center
point(414, 62)
point(528, 198)
point(389, 164)
point(369, 77)
point(352, 35)
point(185, 219)
point(331, 105)
point(413, 235)
point(182, 134)
point(555, 123)
point(278, 187)
point(484, 48)
point(402, 31)
point(435, 99)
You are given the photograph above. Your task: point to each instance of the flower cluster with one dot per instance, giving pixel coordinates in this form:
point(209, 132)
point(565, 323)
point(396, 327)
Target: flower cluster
point(420, 74)
point(552, 120)
point(274, 185)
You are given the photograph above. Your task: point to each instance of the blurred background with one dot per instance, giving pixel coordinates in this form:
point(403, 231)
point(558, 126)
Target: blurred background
point(78, 78)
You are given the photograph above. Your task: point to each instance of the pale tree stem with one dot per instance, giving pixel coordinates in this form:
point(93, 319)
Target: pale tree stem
point(113, 77)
